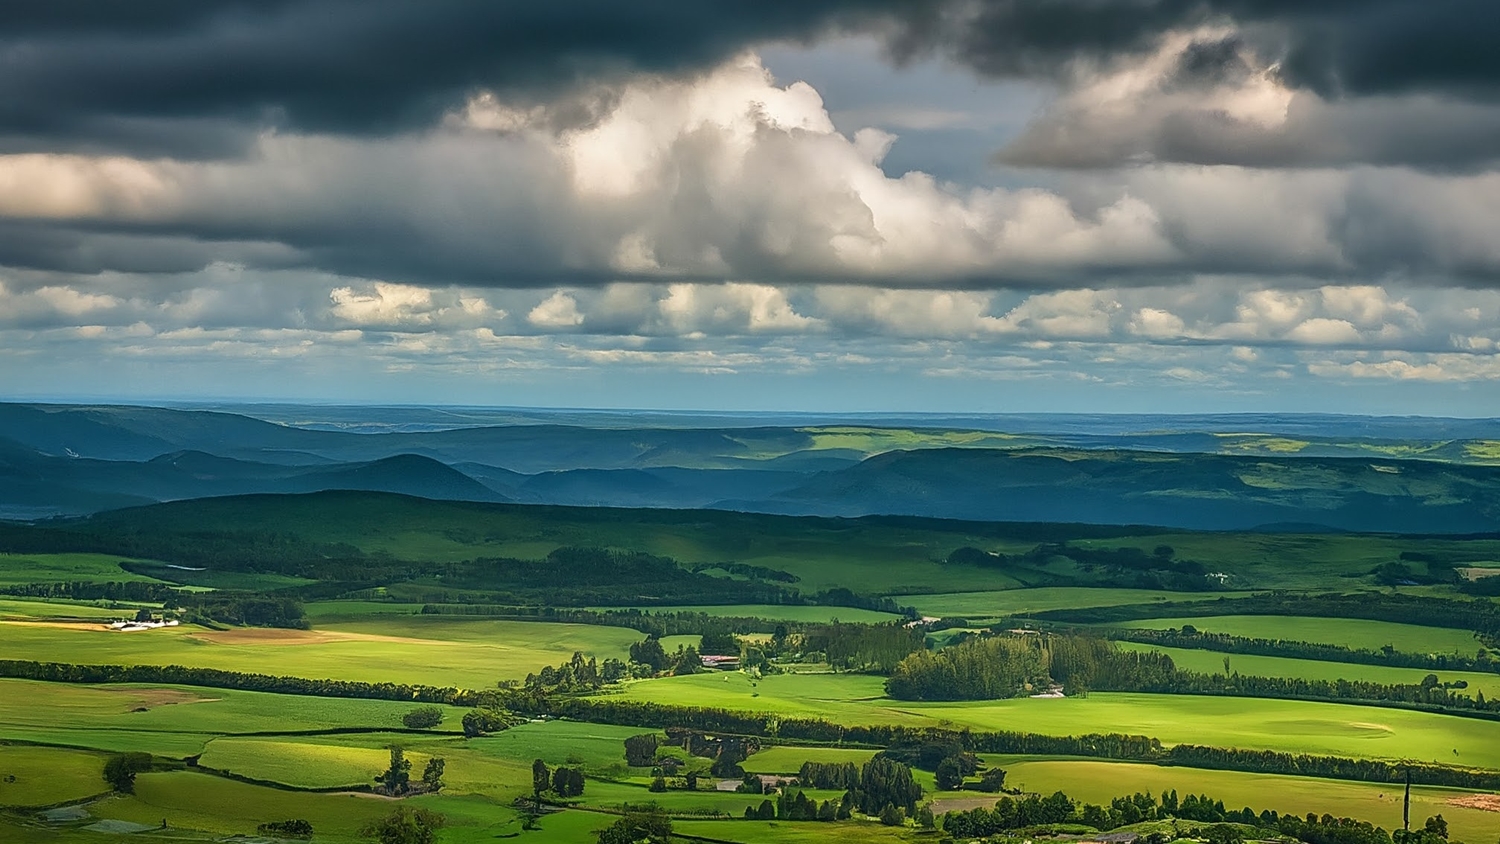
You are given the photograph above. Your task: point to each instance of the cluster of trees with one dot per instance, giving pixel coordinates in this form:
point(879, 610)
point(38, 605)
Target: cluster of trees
point(640, 751)
point(296, 828)
point(246, 609)
point(829, 775)
point(422, 718)
point(1006, 666)
point(1189, 636)
point(396, 779)
point(796, 806)
point(1482, 617)
point(577, 676)
point(649, 653)
point(1034, 810)
point(872, 648)
point(483, 720)
point(564, 782)
point(406, 825)
point(978, 669)
point(639, 825)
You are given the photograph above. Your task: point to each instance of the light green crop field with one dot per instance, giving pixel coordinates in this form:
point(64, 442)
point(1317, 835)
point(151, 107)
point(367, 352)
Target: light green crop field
point(1212, 662)
point(177, 721)
point(24, 609)
point(204, 802)
point(786, 759)
point(1025, 601)
point(1349, 632)
point(321, 612)
point(45, 776)
point(1290, 726)
point(63, 568)
point(441, 651)
point(779, 832)
point(1098, 782)
point(780, 612)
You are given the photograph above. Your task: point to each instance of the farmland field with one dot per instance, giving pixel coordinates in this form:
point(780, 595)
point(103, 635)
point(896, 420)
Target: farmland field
point(1291, 726)
point(1026, 601)
point(1099, 781)
point(417, 649)
point(1348, 632)
point(1212, 662)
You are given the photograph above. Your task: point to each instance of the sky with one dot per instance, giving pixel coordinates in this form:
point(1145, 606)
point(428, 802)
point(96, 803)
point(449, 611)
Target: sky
point(829, 205)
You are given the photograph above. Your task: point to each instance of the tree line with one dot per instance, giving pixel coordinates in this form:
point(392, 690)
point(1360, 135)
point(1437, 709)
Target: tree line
point(1482, 617)
point(1007, 666)
point(1188, 636)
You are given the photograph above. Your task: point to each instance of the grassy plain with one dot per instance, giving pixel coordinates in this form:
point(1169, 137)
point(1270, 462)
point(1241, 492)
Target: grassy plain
point(64, 568)
point(781, 612)
point(1212, 662)
point(1290, 726)
point(1011, 602)
point(46, 776)
point(1098, 782)
point(437, 650)
point(1348, 632)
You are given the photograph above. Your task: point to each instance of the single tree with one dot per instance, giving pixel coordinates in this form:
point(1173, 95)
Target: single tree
point(423, 718)
point(432, 775)
point(121, 769)
point(949, 775)
point(397, 777)
point(541, 778)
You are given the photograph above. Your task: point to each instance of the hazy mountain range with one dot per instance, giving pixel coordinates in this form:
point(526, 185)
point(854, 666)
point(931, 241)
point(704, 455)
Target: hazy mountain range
point(1356, 473)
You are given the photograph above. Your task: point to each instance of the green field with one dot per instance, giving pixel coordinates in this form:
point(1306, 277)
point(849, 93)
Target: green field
point(62, 568)
point(1348, 632)
point(176, 721)
point(46, 776)
point(1098, 782)
point(436, 650)
point(27, 609)
point(1010, 602)
point(1212, 662)
point(779, 612)
point(1291, 726)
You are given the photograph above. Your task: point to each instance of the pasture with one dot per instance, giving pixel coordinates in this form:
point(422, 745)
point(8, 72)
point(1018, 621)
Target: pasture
point(1020, 602)
point(1098, 782)
point(46, 776)
point(436, 650)
point(1348, 632)
point(1212, 662)
point(1256, 723)
point(66, 568)
point(779, 612)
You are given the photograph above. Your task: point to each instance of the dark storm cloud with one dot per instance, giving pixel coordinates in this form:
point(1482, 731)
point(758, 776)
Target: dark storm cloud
point(1335, 47)
point(356, 65)
point(67, 67)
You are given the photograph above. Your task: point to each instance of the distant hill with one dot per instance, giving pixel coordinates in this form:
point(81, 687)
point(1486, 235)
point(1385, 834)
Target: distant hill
point(1201, 491)
point(1214, 472)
